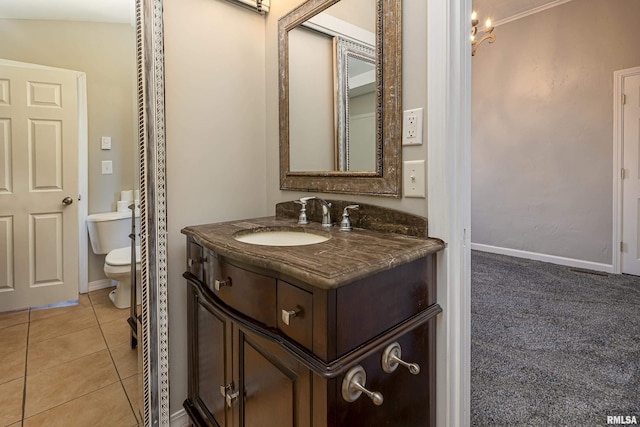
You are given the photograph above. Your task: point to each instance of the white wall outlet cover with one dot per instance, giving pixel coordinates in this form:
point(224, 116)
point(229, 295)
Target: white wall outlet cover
point(107, 167)
point(412, 127)
point(414, 178)
point(105, 143)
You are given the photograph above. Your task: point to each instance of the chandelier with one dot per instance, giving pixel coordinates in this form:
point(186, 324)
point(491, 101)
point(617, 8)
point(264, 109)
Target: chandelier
point(486, 33)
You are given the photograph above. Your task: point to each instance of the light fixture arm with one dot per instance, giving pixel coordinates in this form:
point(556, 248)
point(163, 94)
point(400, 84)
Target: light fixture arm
point(487, 36)
point(487, 33)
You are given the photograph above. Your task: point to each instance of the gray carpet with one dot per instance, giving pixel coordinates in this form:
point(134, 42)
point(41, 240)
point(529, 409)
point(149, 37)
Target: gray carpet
point(551, 346)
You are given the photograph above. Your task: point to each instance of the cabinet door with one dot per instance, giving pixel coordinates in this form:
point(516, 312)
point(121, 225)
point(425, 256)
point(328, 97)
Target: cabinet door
point(275, 388)
point(210, 361)
point(409, 400)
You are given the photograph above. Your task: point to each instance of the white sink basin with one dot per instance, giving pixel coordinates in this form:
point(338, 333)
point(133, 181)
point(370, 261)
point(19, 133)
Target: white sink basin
point(280, 238)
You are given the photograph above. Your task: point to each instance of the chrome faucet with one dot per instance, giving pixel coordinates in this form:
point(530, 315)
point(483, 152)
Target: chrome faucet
point(345, 224)
point(326, 209)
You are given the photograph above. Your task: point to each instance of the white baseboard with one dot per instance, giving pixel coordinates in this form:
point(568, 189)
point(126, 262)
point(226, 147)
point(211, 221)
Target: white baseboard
point(179, 419)
point(553, 259)
point(100, 284)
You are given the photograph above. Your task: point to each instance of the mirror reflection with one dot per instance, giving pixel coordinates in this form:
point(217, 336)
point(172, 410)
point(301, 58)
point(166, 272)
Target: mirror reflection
point(75, 71)
point(332, 90)
point(356, 105)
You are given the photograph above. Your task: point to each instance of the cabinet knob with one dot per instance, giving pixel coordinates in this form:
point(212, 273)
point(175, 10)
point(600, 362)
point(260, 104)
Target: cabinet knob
point(353, 386)
point(287, 315)
point(195, 261)
point(229, 395)
point(230, 398)
point(221, 284)
point(391, 358)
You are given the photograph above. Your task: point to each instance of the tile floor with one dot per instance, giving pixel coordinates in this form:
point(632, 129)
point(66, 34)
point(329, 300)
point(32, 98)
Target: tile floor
point(69, 366)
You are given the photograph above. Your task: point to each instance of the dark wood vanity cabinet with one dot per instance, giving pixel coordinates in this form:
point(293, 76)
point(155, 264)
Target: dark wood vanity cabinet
point(227, 361)
point(268, 350)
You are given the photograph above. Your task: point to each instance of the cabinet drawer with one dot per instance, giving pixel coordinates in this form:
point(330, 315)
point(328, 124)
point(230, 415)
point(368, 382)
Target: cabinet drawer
point(295, 313)
point(252, 294)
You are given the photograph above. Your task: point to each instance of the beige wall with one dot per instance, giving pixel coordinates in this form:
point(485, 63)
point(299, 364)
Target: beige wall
point(215, 120)
point(311, 102)
point(361, 13)
point(222, 129)
point(542, 126)
point(106, 53)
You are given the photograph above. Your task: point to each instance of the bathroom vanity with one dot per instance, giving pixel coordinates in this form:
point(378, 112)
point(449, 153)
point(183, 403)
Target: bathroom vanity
point(336, 333)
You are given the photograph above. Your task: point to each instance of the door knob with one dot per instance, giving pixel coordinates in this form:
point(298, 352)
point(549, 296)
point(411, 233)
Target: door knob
point(67, 201)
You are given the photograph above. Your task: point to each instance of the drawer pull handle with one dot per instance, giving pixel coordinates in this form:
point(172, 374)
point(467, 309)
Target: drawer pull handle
point(195, 261)
point(225, 388)
point(287, 315)
point(353, 386)
point(230, 398)
point(229, 395)
point(218, 284)
point(391, 358)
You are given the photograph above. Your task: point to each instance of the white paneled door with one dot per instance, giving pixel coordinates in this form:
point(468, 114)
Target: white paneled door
point(38, 186)
point(631, 182)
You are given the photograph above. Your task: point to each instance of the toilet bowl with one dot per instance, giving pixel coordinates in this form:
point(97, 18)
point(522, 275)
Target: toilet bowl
point(109, 235)
point(117, 267)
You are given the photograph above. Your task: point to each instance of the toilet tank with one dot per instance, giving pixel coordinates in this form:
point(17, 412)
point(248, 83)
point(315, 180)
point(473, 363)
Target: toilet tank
point(110, 230)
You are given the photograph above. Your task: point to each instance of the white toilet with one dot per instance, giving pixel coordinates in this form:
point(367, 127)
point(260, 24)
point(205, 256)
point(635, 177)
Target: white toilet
point(109, 234)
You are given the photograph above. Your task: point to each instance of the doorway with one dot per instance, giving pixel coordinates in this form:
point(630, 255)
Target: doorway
point(626, 158)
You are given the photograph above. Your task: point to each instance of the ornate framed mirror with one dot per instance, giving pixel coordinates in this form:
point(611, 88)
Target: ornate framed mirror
point(153, 241)
point(314, 112)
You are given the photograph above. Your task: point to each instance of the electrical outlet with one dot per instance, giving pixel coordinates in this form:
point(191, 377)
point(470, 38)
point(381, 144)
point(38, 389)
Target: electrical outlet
point(414, 178)
point(105, 143)
point(412, 127)
point(107, 167)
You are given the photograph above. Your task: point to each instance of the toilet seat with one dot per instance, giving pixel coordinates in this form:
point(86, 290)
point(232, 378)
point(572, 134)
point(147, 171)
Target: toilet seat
point(117, 267)
point(121, 257)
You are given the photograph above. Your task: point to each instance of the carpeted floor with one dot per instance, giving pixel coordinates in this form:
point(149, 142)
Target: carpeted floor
point(551, 346)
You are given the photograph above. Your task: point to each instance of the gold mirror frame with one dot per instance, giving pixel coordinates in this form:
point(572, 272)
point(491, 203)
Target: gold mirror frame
point(387, 179)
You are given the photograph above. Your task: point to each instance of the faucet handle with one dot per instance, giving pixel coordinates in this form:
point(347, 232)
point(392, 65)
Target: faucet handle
point(306, 199)
point(302, 218)
point(345, 224)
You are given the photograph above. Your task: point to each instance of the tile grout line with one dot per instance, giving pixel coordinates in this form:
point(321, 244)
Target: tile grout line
point(114, 362)
point(68, 401)
point(105, 341)
point(26, 367)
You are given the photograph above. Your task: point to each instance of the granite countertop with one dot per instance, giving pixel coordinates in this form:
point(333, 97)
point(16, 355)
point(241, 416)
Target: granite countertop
point(344, 258)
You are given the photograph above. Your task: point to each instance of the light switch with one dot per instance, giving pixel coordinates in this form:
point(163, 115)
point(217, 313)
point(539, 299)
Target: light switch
point(414, 179)
point(107, 167)
point(106, 143)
